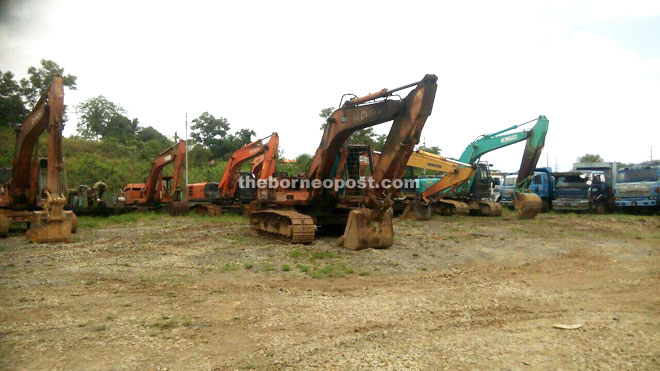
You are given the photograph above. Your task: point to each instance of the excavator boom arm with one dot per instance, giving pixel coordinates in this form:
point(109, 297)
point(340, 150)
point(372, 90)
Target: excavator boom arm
point(527, 205)
point(227, 185)
point(168, 156)
point(409, 116)
point(46, 114)
point(502, 139)
point(457, 173)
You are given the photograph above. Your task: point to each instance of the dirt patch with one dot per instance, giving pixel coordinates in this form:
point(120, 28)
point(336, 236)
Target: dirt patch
point(452, 293)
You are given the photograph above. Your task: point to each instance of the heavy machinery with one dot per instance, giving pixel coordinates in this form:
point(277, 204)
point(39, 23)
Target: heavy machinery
point(638, 188)
point(476, 193)
point(84, 200)
point(294, 212)
point(452, 174)
point(159, 189)
point(582, 191)
point(209, 197)
point(543, 184)
point(32, 194)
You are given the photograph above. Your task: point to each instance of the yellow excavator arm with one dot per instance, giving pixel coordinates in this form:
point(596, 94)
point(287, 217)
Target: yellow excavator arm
point(456, 173)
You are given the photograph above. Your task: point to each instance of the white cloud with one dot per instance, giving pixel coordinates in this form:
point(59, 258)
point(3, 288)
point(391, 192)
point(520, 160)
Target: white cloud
point(272, 66)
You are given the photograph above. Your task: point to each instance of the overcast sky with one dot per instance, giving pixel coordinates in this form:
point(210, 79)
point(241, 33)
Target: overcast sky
point(593, 68)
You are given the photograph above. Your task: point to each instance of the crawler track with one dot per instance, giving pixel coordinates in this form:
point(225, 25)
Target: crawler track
point(288, 224)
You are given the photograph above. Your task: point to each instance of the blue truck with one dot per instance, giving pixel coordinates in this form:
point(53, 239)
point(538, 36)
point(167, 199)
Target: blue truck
point(582, 190)
point(543, 184)
point(638, 188)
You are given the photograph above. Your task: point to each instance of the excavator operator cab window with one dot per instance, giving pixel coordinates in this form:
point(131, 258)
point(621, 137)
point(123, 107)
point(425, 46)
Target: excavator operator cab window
point(167, 183)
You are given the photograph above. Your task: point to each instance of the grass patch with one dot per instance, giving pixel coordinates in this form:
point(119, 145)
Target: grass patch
point(226, 217)
point(95, 222)
point(100, 328)
point(164, 324)
point(91, 222)
point(302, 268)
point(296, 254)
point(332, 270)
point(285, 268)
point(248, 266)
point(229, 267)
point(316, 255)
point(268, 267)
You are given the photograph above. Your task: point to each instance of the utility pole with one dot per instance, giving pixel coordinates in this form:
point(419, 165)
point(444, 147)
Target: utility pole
point(186, 155)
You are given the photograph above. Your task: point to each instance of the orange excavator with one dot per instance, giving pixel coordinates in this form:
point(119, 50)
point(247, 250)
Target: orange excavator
point(159, 189)
point(33, 195)
point(294, 212)
point(209, 197)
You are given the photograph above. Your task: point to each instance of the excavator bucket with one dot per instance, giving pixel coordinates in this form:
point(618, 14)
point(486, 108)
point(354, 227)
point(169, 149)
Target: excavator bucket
point(417, 210)
point(178, 208)
point(53, 224)
point(4, 225)
point(527, 204)
point(367, 228)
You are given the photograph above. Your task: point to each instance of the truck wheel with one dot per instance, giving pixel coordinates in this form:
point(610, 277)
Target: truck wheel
point(600, 208)
point(545, 207)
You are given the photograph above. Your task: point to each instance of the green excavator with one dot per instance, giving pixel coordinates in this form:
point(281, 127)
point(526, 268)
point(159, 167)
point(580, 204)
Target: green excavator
point(472, 197)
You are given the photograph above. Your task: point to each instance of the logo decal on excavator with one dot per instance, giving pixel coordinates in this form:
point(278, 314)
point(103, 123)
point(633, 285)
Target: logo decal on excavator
point(167, 158)
point(509, 138)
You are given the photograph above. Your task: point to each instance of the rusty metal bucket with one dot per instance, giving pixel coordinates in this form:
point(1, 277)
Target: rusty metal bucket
point(178, 208)
point(53, 224)
point(4, 225)
point(368, 228)
point(527, 205)
point(417, 210)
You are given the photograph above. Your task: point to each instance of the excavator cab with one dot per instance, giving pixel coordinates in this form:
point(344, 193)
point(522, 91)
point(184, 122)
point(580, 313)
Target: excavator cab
point(249, 191)
point(482, 182)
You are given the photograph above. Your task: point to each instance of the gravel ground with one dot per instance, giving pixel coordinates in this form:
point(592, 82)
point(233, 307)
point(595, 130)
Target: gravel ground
point(452, 293)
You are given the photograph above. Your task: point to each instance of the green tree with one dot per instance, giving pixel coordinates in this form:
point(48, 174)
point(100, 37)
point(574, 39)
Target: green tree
point(207, 130)
point(324, 114)
point(589, 157)
point(121, 128)
point(379, 142)
point(303, 160)
point(198, 156)
point(149, 133)
point(213, 133)
point(40, 78)
point(434, 149)
point(18, 98)
point(12, 107)
point(364, 136)
point(95, 115)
